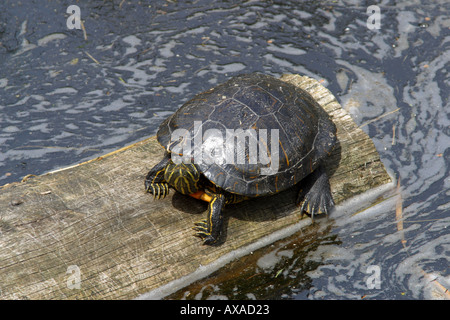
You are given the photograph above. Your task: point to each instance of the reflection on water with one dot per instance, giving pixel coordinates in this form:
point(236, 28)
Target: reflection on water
point(267, 273)
point(64, 100)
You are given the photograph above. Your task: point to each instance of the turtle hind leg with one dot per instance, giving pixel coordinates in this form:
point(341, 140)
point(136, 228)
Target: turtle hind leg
point(315, 193)
point(210, 229)
point(154, 182)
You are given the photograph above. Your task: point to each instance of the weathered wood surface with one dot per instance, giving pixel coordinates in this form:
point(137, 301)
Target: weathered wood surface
point(97, 217)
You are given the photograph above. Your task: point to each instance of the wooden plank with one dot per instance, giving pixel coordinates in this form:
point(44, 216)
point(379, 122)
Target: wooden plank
point(95, 221)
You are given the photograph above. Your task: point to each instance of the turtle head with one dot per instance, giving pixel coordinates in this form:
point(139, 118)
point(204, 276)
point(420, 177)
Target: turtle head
point(184, 177)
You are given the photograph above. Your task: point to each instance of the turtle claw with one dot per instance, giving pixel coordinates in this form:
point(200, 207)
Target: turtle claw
point(202, 224)
point(316, 194)
point(317, 204)
point(158, 189)
point(203, 232)
point(202, 229)
point(207, 238)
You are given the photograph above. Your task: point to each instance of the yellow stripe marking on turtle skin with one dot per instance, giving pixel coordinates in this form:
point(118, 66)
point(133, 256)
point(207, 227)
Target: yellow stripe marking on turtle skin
point(157, 173)
point(201, 224)
point(183, 181)
point(211, 206)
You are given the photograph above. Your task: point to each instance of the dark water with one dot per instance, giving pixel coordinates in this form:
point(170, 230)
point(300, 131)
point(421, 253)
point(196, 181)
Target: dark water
point(64, 99)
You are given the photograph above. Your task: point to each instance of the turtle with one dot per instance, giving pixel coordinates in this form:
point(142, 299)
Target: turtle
point(236, 116)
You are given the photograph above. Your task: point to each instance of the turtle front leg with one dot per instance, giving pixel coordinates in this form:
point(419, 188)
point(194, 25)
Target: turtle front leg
point(154, 182)
point(210, 228)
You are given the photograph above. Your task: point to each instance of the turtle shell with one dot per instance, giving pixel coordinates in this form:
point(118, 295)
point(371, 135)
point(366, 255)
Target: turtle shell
point(219, 129)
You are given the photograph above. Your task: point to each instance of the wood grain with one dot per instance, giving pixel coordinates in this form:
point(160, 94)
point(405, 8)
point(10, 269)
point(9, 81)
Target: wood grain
point(96, 218)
